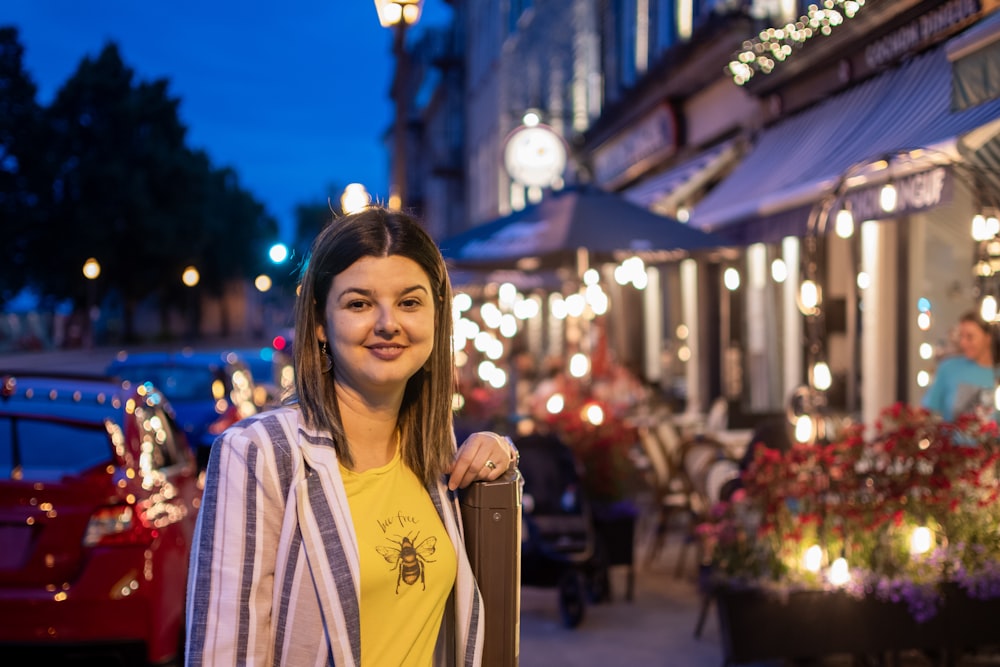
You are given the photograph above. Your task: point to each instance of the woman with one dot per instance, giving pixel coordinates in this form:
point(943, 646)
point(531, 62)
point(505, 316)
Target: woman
point(965, 383)
point(329, 531)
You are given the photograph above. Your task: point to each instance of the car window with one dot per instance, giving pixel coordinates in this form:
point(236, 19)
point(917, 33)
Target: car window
point(178, 383)
point(49, 450)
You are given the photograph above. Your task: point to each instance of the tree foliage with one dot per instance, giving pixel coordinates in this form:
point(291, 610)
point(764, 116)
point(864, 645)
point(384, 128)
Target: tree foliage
point(105, 171)
point(21, 182)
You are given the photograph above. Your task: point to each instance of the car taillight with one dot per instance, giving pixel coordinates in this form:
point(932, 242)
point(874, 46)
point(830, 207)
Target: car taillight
point(117, 525)
point(225, 420)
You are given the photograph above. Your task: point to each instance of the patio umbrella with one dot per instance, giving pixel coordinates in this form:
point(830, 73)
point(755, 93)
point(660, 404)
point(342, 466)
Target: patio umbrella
point(552, 232)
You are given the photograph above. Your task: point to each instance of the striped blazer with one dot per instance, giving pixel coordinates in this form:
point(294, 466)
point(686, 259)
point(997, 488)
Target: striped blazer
point(274, 568)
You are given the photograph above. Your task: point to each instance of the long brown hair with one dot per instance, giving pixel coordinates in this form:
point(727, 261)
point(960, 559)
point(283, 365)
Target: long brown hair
point(425, 417)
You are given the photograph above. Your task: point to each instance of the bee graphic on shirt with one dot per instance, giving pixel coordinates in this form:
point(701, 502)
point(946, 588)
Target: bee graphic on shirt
point(409, 559)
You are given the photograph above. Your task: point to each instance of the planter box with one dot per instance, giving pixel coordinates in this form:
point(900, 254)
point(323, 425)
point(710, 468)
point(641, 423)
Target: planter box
point(755, 626)
point(971, 622)
point(617, 536)
point(614, 536)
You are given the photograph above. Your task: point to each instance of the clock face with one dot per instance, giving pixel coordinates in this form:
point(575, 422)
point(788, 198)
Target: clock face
point(535, 156)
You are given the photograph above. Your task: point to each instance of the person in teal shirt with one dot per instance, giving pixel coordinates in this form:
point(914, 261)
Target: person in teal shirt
point(966, 382)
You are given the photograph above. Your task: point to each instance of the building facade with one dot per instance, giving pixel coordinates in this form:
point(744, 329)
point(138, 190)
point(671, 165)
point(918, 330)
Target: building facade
point(761, 121)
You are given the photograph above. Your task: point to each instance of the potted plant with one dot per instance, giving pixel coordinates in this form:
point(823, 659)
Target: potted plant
point(603, 444)
point(901, 527)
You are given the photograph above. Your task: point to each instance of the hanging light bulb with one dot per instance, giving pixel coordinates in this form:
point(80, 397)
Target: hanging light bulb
point(731, 278)
point(921, 540)
point(887, 198)
point(822, 378)
point(979, 232)
point(988, 309)
point(779, 271)
point(840, 573)
point(803, 429)
point(844, 225)
point(808, 297)
point(813, 558)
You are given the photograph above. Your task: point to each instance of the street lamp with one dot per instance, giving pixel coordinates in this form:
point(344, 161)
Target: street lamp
point(191, 278)
point(399, 15)
point(91, 270)
point(355, 198)
point(278, 253)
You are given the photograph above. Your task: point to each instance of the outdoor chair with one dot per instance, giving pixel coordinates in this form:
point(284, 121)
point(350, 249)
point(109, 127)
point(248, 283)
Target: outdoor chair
point(707, 469)
point(670, 489)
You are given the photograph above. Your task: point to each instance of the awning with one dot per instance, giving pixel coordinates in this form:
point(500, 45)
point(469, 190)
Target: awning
point(799, 160)
point(665, 191)
point(551, 233)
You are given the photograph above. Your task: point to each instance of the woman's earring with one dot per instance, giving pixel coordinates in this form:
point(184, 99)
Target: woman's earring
point(327, 358)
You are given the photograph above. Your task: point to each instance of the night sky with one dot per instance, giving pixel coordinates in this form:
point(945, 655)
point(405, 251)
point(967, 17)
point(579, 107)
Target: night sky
point(293, 95)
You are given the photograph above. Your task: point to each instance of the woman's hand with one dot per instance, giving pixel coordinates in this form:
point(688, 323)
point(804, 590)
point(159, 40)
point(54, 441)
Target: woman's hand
point(483, 456)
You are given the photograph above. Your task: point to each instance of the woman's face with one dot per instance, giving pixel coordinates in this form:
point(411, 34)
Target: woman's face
point(973, 341)
point(379, 324)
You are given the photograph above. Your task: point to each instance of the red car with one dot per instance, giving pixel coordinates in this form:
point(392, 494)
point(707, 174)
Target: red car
point(99, 493)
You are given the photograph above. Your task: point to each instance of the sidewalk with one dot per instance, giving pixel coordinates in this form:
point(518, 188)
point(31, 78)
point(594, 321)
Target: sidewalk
point(655, 629)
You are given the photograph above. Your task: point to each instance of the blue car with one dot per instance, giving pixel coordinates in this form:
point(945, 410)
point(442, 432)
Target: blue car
point(209, 390)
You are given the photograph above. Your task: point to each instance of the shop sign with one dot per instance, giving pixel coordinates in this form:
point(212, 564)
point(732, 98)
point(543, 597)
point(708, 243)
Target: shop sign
point(921, 31)
point(916, 192)
point(652, 138)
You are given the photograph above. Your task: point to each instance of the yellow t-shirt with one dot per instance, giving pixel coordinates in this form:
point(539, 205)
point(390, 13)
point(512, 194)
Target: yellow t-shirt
point(408, 564)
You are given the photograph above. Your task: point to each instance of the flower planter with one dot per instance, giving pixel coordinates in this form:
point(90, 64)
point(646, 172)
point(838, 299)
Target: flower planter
point(617, 537)
point(971, 622)
point(614, 536)
point(756, 626)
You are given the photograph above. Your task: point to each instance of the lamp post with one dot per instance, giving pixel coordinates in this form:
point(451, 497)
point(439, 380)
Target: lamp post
point(190, 277)
point(263, 283)
point(399, 15)
point(91, 270)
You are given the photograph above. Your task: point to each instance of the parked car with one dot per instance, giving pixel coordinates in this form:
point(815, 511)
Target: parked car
point(209, 390)
point(99, 491)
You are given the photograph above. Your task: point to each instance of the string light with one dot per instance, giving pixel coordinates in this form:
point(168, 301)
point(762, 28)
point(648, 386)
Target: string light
point(921, 540)
point(985, 232)
point(844, 225)
point(774, 45)
point(813, 558)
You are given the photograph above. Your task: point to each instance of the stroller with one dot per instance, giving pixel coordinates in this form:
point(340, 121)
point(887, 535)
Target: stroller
point(558, 542)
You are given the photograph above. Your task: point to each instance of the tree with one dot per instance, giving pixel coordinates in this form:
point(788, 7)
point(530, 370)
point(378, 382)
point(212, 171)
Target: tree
point(238, 232)
point(21, 174)
point(111, 177)
point(311, 217)
point(120, 176)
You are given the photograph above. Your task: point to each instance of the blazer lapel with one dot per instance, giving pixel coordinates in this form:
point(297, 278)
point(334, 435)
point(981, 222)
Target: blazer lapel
point(331, 549)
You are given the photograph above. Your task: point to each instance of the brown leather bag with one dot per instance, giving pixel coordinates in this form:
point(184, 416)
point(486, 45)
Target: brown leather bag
point(491, 514)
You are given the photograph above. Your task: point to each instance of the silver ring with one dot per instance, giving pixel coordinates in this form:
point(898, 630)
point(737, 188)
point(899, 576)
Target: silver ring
point(489, 464)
